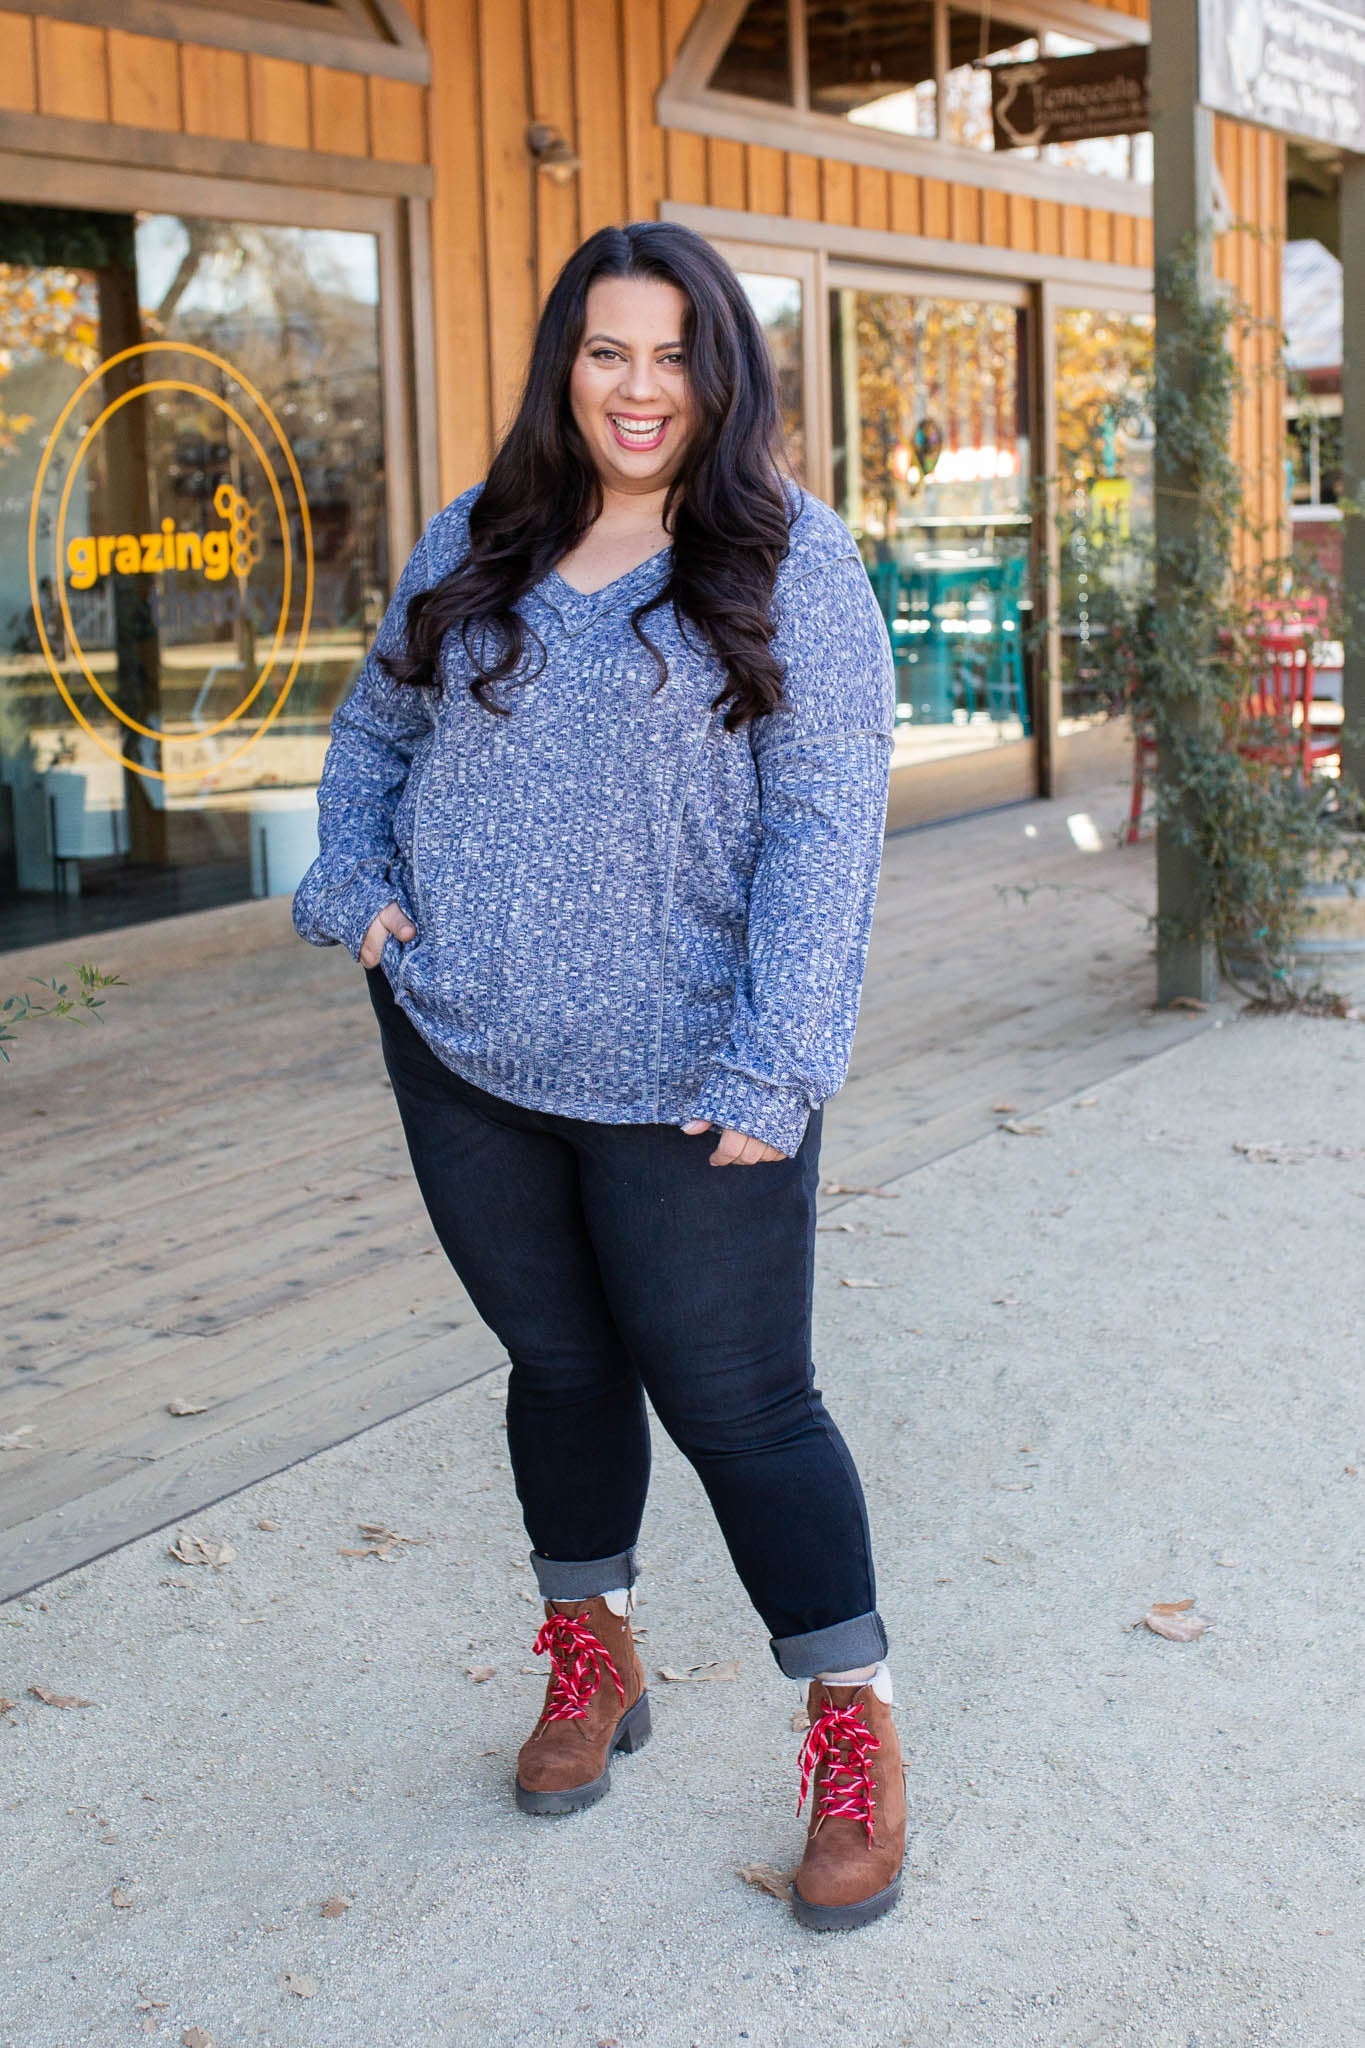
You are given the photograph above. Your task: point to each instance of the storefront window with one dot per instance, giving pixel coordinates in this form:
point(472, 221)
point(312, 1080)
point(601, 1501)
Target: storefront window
point(777, 302)
point(193, 444)
point(932, 472)
point(874, 65)
point(1105, 501)
point(757, 60)
point(911, 67)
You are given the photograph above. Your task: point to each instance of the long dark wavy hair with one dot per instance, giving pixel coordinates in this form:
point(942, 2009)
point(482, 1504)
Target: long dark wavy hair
point(727, 510)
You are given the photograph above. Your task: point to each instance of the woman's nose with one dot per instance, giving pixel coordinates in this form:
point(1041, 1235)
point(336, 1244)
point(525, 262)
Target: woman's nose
point(640, 381)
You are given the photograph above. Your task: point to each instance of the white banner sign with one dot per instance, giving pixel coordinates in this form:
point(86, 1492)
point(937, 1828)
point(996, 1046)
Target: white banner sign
point(1297, 66)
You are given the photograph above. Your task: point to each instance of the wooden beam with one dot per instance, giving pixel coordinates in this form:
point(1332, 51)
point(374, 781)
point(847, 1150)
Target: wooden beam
point(1352, 245)
point(1182, 208)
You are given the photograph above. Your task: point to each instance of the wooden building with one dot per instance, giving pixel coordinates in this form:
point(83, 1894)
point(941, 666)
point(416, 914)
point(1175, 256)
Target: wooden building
point(315, 234)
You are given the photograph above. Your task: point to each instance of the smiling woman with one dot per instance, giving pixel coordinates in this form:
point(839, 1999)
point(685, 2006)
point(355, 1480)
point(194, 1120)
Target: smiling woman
point(603, 820)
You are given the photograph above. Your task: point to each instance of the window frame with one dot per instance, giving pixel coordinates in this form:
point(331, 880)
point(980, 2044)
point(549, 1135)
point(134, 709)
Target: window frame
point(377, 36)
point(686, 101)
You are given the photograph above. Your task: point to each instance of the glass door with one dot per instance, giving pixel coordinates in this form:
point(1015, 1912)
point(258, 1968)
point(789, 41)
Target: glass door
point(932, 472)
point(1103, 540)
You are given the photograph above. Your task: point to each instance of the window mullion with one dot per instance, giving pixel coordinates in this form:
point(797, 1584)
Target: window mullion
point(800, 68)
point(941, 54)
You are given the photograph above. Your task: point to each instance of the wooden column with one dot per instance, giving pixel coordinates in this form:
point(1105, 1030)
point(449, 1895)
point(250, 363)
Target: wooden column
point(1182, 210)
point(1352, 246)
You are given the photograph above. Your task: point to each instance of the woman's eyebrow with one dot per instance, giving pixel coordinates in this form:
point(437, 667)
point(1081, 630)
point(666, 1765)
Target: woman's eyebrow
point(625, 345)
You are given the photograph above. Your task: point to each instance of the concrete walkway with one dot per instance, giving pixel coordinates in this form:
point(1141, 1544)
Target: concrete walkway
point(1114, 1362)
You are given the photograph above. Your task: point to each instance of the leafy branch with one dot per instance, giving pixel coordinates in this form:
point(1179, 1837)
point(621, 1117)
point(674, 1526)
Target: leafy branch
point(77, 1005)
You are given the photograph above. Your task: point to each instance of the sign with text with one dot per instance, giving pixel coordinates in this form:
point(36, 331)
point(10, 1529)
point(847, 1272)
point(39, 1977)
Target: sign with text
point(1070, 99)
point(1297, 66)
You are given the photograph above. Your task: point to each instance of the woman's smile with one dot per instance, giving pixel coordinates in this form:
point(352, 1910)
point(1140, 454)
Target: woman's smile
point(634, 430)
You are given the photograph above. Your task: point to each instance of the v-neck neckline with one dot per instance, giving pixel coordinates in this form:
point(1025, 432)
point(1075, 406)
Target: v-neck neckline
point(588, 597)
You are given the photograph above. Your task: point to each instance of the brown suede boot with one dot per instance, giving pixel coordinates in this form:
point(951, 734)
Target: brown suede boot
point(595, 1703)
point(851, 1871)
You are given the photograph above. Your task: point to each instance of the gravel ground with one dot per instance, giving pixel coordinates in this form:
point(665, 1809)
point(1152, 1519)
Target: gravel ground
point(1112, 1363)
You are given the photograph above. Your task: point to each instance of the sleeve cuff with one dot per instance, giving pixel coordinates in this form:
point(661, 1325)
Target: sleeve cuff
point(737, 1102)
point(342, 915)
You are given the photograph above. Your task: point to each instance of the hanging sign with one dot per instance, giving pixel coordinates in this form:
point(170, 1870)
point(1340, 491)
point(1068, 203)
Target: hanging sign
point(1297, 66)
point(1070, 99)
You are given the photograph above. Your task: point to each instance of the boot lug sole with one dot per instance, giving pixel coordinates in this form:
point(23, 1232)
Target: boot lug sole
point(632, 1732)
point(832, 1919)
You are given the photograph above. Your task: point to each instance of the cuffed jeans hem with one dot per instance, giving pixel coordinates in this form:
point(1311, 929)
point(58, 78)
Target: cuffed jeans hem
point(844, 1646)
point(582, 1580)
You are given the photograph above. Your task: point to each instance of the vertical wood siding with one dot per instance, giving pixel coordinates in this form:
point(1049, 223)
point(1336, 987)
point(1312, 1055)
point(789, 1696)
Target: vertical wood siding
point(106, 74)
point(591, 68)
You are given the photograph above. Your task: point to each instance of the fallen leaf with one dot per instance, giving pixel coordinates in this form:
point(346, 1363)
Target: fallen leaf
point(853, 1229)
point(1087, 1102)
point(1351, 1471)
point(860, 1283)
point(481, 1673)
point(1006, 1301)
point(1014, 1486)
point(180, 1406)
point(1279, 1153)
point(380, 1541)
point(267, 1525)
point(1003, 1108)
point(146, 2003)
point(332, 1909)
point(801, 1720)
point(189, 1549)
point(1186, 1003)
point(838, 1187)
point(195, 2037)
point(1173, 1619)
point(764, 1878)
point(11, 1440)
point(700, 1674)
point(58, 1699)
point(986, 1558)
point(1018, 1130)
point(1228, 1563)
point(301, 1985)
point(173, 1582)
point(119, 1898)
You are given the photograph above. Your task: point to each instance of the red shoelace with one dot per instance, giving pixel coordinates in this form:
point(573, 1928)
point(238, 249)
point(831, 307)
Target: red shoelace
point(578, 1657)
point(840, 1739)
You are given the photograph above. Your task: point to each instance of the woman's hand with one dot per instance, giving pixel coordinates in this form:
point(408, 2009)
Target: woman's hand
point(390, 919)
point(736, 1148)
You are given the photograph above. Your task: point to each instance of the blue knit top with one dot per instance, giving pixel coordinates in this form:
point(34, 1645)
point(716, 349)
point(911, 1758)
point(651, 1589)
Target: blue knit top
point(624, 912)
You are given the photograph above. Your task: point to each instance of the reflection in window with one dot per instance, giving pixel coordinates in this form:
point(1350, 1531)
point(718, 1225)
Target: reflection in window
point(757, 60)
point(187, 776)
point(873, 64)
point(777, 302)
point(1104, 492)
point(931, 471)
point(976, 41)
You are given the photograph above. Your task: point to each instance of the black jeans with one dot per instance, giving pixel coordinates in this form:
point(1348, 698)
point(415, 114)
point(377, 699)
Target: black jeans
point(614, 1262)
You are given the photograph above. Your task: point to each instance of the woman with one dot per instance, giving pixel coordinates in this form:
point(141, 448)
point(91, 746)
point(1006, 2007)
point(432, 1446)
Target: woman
point(602, 821)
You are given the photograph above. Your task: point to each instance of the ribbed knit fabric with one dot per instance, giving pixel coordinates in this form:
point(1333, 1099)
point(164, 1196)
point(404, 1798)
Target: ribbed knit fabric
point(624, 912)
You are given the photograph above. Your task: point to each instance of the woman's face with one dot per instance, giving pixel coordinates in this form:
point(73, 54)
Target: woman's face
point(628, 388)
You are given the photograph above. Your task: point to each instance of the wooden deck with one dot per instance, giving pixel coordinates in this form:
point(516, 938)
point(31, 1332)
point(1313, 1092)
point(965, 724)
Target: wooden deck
point(208, 1196)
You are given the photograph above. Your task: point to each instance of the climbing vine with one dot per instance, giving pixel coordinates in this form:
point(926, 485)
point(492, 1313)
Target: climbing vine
point(1176, 645)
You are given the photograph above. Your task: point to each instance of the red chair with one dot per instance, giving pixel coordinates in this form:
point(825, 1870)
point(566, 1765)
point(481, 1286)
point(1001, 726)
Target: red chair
point(1292, 728)
point(1144, 764)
